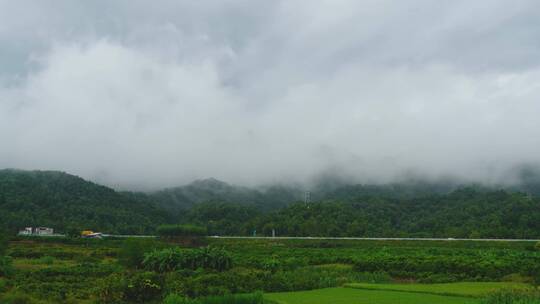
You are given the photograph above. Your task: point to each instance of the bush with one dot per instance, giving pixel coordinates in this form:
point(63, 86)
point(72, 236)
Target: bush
point(138, 287)
point(373, 277)
point(171, 259)
point(142, 287)
point(111, 289)
point(16, 298)
point(245, 280)
point(432, 267)
point(131, 253)
point(47, 260)
point(513, 296)
point(255, 298)
point(175, 299)
point(517, 278)
point(6, 267)
point(3, 285)
point(3, 242)
point(169, 231)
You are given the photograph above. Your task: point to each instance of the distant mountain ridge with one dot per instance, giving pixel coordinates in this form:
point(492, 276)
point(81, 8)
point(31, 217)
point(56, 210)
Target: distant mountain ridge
point(326, 189)
point(70, 203)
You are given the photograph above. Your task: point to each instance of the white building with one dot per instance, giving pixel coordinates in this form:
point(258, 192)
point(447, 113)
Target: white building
point(37, 231)
point(43, 231)
point(26, 231)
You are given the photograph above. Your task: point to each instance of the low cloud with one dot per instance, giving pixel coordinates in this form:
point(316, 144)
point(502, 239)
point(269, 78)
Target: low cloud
point(258, 92)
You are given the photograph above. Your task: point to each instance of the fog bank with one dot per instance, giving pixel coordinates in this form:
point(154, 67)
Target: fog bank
point(136, 95)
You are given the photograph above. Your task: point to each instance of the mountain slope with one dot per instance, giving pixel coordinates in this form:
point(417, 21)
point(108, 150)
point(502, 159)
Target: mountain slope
point(464, 213)
point(67, 202)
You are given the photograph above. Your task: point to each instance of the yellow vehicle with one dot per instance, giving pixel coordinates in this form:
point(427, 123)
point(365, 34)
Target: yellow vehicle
point(87, 232)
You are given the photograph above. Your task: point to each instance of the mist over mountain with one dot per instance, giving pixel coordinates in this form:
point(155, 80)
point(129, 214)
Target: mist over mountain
point(208, 190)
point(330, 187)
point(265, 92)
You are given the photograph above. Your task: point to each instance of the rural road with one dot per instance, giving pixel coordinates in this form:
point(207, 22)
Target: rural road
point(341, 238)
point(373, 239)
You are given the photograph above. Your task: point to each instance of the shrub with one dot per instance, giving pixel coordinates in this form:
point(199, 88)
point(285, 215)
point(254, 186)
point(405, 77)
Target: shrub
point(16, 298)
point(373, 277)
point(170, 259)
point(170, 231)
point(138, 287)
point(6, 267)
point(175, 299)
point(513, 296)
point(3, 285)
point(254, 298)
point(3, 242)
point(131, 253)
point(517, 277)
point(314, 277)
point(47, 260)
point(142, 287)
point(111, 289)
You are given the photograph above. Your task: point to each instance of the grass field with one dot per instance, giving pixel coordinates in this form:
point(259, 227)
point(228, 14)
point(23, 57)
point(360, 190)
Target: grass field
point(464, 289)
point(342, 295)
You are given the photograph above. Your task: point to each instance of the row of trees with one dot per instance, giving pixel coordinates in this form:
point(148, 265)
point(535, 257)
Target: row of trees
point(465, 213)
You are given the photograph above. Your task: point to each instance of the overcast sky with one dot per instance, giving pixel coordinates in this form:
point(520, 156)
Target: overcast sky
point(158, 93)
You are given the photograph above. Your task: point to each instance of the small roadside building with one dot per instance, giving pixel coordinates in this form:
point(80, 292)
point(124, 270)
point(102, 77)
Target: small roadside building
point(42, 231)
point(26, 231)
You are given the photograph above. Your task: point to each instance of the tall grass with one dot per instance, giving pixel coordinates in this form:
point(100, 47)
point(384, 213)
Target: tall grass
point(513, 296)
point(254, 298)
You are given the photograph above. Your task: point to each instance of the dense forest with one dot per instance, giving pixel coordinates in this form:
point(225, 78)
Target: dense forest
point(211, 189)
point(69, 203)
point(464, 213)
point(414, 209)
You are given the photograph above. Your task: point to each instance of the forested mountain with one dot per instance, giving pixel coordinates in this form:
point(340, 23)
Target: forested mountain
point(277, 196)
point(66, 202)
point(419, 209)
point(272, 197)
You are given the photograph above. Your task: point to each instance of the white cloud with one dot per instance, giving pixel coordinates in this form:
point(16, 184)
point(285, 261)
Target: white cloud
point(253, 92)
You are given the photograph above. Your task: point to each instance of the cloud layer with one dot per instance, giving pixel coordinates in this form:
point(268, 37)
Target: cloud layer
point(139, 95)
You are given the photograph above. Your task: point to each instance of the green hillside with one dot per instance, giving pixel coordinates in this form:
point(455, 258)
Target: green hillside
point(69, 203)
point(412, 209)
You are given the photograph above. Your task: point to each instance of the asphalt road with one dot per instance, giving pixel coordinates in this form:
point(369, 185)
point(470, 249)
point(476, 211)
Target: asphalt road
point(373, 239)
point(338, 238)
point(323, 238)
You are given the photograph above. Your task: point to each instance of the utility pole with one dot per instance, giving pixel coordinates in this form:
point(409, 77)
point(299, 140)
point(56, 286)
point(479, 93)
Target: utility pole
point(307, 197)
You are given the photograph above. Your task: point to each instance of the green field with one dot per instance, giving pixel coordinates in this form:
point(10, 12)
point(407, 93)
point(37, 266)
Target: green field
point(463, 289)
point(342, 295)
